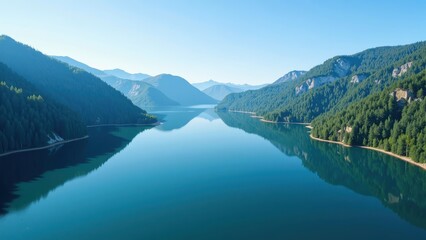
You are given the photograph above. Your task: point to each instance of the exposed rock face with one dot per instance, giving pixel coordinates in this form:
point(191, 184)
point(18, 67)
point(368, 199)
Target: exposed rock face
point(402, 96)
point(398, 72)
point(358, 78)
point(134, 90)
point(293, 75)
point(341, 67)
point(313, 83)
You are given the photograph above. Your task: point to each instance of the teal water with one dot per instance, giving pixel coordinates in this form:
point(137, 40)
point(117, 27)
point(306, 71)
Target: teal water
point(207, 175)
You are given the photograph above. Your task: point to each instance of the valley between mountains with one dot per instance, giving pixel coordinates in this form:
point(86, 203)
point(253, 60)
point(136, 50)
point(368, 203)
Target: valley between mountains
point(373, 98)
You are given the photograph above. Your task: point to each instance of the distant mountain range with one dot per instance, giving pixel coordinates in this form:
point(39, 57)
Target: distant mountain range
point(179, 90)
point(145, 91)
point(125, 75)
point(219, 90)
point(142, 94)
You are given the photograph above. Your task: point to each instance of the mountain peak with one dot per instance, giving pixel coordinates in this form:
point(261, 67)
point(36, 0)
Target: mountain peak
point(290, 76)
point(179, 90)
point(6, 37)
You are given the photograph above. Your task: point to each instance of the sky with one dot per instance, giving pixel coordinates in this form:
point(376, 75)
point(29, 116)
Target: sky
point(225, 40)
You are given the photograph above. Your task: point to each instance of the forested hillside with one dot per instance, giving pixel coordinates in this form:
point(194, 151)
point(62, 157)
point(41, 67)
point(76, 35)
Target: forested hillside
point(30, 119)
point(393, 120)
point(82, 92)
point(330, 86)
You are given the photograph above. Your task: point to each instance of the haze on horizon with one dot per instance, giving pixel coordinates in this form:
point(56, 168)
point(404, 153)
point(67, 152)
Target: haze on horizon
point(228, 41)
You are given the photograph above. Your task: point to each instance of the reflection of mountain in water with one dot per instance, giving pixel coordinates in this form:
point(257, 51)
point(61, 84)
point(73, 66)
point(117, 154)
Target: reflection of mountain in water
point(177, 117)
point(398, 185)
point(27, 177)
point(209, 114)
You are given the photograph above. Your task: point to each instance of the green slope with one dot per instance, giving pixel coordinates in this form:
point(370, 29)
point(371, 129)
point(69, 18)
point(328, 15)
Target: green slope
point(333, 84)
point(29, 119)
point(87, 95)
point(393, 119)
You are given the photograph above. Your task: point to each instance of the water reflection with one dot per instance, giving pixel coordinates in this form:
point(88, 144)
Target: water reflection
point(174, 118)
point(209, 114)
point(398, 185)
point(27, 177)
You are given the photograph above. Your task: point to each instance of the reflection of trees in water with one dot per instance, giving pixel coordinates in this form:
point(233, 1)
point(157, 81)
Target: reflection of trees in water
point(398, 185)
point(71, 160)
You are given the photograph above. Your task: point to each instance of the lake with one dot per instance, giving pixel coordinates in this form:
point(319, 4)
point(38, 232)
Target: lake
point(208, 175)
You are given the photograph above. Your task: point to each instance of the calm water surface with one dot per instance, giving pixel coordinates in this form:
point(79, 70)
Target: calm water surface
point(207, 175)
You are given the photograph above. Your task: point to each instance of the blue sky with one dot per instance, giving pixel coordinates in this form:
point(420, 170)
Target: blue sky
point(224, 40)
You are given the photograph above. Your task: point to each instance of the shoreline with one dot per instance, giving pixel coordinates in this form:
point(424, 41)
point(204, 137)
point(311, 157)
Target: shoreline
point(308, 125)
point(252, 113)
point(405, 159)
point(295, 123)
point(75, 139)
point(43, 147)
point(262, 119)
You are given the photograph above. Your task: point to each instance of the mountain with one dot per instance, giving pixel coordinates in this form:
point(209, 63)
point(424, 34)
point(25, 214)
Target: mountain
point(179, 90)
point(291, 76)
point(393, 120)
point(220, 91)
point(330, 86)
point(204, 85)
point(243, 87)
point(30, 119)
point(246, 87)
point(140, 93)
point(80, 65)
point(125, 75)
point(94, 100)
point(99, 73)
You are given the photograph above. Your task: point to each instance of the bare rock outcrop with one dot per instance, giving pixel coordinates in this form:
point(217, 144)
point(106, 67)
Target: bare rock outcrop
point(399, 71)
point(358, 78)
point(313, 83)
